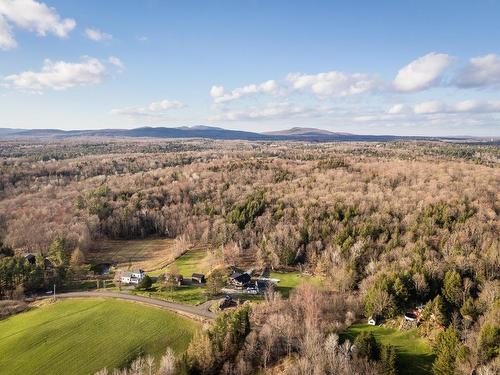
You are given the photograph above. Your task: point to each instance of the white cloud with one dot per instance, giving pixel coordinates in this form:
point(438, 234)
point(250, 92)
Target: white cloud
point(219, 96)
point(474, 106)
point(32, 16)
point(422, 73)
point(397, 109)
point(334, 83)
point(97, 35)
point(216, 91)
point(7, 41)
point(439, 107)
point(58, 75)
point(113, 60)
point(270, 111)
point(481, 71)
point(155, 109)
point(428, 107)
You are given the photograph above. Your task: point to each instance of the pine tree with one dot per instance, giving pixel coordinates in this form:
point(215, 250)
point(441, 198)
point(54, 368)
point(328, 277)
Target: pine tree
point(367, 346)
point(439, 311)
point(388, 359)
point(446, 349)
point(145, 283)
point(452, 288)
point(58, 252)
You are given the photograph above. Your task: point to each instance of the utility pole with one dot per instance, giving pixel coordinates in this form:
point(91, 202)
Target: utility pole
point(54, 293)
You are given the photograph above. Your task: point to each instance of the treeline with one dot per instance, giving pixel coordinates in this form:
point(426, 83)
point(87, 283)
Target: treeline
point(29, 273)
point(398, 225)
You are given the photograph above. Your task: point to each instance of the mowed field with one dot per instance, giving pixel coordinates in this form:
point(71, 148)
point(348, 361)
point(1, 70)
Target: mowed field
point(81, 336)
point(414, 353)
point(149, 254)
point(288, 281)
point(195, 260)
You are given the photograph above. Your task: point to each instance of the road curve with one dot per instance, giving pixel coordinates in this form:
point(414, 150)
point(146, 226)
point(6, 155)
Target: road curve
point(194, 312)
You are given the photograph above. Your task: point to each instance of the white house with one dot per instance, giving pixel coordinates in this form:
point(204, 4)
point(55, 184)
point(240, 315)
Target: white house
point(372, 321)
point(132, 277)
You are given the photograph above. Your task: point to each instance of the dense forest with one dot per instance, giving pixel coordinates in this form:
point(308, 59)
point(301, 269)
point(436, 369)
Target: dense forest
point(387, 226)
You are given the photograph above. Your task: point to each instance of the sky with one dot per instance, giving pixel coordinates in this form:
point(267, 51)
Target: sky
point(365, 67)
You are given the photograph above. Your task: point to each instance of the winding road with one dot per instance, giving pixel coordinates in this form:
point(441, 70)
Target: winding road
point(196, 312)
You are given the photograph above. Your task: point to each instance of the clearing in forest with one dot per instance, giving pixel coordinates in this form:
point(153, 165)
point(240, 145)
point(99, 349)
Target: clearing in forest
point(146, 254)
point(414, 353)
point(195, 260)
point(291, 280)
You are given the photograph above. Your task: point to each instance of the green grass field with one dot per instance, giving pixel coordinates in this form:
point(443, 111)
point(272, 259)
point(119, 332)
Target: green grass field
point(193, 261)
point(190, 294)
point(291, 280)
point(81, 336)
point(414, 353)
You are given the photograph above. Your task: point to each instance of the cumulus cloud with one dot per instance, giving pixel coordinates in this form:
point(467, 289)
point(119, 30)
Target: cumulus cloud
point(154, 109)
point(270, 111)
point(97, 35)
point(333, 83)
point(32, 16)
point(422, 73)
point(398, 109)
point(428, 107)
point(58, 75)
point(113, 60)
point(482, 71)
point(220, 96)
point(439, 107)
point(7, 40)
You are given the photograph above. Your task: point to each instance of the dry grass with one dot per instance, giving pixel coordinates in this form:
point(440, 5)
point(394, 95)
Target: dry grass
point(124, 254)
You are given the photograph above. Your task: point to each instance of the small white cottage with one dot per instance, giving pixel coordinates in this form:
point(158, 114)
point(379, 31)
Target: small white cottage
point(372, 321)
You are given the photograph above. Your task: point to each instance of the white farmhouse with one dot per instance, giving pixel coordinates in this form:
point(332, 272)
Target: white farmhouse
point(132, 277)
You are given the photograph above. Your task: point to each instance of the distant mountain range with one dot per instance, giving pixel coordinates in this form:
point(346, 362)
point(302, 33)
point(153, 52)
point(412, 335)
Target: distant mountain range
point(305, 132)
point(211, 132)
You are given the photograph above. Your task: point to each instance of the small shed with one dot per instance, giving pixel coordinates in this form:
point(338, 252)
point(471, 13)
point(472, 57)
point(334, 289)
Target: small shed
point(372, 321)
point(198, 278)
point(30, 258)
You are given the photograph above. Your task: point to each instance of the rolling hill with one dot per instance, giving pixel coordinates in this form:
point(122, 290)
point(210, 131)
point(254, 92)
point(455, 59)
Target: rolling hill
point(212, 132)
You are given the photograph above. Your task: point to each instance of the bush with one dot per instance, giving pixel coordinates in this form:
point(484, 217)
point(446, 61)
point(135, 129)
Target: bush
point(367, 346)
point(145, 283)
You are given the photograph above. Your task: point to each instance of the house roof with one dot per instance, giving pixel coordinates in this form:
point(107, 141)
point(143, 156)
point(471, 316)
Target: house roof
point(197, 275)
point(263, 284)
point(241, 277)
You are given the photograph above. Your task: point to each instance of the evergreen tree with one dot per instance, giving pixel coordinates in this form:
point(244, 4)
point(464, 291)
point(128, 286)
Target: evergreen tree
point(446, 349)
point(145, 283)
point(388, 359)
point(452, 288)
point(367, 346)
point(59, 253)
point(489, 341)
point(215, 282)
point(439, 311)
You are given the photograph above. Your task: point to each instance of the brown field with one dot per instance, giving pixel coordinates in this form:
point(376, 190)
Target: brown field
point(145, 254)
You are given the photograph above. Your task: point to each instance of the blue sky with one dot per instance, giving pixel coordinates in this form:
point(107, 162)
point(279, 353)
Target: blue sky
point(366, 67)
